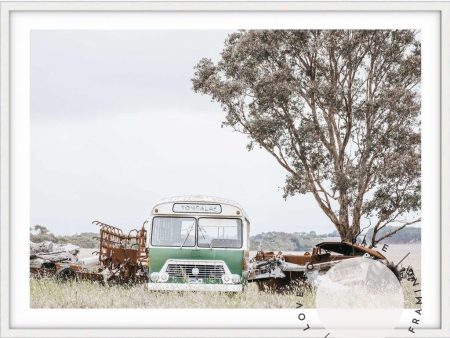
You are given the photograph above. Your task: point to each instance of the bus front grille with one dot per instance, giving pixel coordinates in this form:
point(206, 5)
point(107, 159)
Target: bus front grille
point(214, 271)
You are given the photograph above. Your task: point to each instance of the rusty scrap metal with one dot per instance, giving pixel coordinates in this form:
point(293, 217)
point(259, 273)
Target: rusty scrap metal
point(122, 258)
point(286, 271)
point(115, 245)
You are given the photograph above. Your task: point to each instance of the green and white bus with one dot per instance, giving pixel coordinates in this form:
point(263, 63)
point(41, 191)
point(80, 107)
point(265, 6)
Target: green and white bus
point(198, 243)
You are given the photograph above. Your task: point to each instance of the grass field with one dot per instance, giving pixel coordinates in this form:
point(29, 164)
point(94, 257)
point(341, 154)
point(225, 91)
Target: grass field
point(47, 293)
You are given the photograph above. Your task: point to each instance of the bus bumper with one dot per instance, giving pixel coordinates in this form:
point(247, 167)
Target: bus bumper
point(194, 287)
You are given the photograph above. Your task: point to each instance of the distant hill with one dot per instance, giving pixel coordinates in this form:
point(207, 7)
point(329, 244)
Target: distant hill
point(404, 236)
point(297, 241)
point(302, 241)
point(269, 241)
point(40, 233)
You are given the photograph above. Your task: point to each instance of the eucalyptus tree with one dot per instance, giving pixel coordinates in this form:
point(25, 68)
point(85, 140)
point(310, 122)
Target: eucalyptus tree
point(339, 110)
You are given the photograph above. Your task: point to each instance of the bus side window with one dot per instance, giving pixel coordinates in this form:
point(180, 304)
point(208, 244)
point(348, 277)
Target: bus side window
point(247, 223)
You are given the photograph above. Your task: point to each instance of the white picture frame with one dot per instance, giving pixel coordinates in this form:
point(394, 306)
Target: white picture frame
point(9, 259)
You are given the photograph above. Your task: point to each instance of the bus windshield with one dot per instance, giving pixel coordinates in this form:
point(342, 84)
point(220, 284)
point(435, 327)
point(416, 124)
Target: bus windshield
point(173, 231)
point(219, 232)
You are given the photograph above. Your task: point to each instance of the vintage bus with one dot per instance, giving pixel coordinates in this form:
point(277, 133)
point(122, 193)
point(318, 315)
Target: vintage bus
point(198, 243)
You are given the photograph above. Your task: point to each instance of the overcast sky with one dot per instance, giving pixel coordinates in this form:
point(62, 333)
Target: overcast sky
point(115, 126)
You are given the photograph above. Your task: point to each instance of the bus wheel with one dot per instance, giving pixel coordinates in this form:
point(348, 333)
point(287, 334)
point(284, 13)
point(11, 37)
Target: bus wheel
point(65, 274)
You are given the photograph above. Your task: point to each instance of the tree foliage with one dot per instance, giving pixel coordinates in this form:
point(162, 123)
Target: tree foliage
point(339, 110)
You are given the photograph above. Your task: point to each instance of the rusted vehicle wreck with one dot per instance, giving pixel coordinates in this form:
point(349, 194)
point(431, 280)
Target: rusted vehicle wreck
point(122, 258)
point(196, 243)
point(284, 271)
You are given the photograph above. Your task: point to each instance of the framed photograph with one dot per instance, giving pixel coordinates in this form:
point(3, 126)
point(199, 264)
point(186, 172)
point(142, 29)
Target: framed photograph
point(215, 169)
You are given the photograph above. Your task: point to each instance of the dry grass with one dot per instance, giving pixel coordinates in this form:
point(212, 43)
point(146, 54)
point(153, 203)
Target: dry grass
point(47, 293)
point(409, 295)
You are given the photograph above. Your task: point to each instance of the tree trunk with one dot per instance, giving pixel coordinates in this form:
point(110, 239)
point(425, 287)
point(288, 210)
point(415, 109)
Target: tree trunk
point(347, 233)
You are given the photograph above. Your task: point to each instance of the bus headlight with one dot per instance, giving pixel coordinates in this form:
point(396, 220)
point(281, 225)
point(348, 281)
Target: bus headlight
point(226, 279)
point(235, 279)
point(154, 276)
point(163, 277)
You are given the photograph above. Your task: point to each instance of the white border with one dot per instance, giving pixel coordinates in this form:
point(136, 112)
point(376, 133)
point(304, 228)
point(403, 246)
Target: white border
point(19, 113)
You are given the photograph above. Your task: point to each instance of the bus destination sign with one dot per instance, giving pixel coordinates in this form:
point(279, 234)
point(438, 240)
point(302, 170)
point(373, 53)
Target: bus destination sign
point(197, 207)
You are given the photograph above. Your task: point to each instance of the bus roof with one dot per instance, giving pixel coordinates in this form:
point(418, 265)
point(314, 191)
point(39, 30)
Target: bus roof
point(201, 199)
